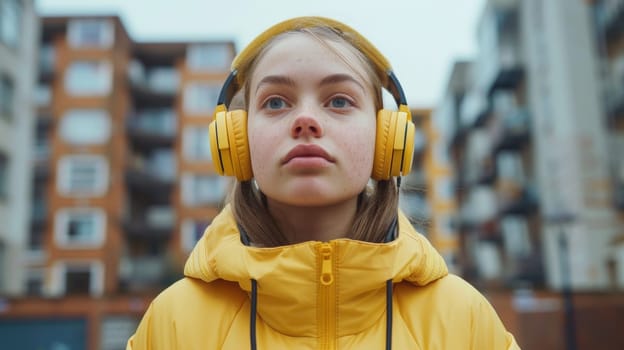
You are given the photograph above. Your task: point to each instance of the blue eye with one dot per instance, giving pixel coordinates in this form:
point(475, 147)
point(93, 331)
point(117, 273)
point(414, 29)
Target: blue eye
point(275, 103)
point(339, 102)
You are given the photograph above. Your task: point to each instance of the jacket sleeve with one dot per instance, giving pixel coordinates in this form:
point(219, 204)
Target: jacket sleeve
point(488, 331)
point(142, 339)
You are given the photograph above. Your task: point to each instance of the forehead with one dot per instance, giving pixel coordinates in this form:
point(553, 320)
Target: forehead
point(300, 51)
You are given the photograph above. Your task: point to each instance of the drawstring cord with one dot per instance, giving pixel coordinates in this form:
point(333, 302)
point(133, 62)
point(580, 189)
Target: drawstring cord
point(252, 319)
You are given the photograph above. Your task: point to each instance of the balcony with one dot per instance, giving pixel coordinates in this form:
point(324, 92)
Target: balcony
point(507, 78)
point(143, 273)
point(619, 195)
point(513, 131)
point(614, 91)
point(47, 62)
point(156, 222)
point(153, 87)
point(478, 208)
point(486, 172)
point(151, 186)
point(41, 168)
point(151, 129)
point(612, 20)
point(152, 178)
point(516, 199)
point(483, 117)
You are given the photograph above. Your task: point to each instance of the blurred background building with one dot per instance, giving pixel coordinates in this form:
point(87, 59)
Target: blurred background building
point(106, 180)
point(532, 132)
point(113, 134)
point(18, 51)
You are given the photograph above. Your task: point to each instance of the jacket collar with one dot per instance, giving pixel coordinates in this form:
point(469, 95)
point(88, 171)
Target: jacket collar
point(288, 277)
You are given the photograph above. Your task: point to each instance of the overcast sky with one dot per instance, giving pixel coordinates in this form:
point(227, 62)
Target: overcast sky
point(421, 38)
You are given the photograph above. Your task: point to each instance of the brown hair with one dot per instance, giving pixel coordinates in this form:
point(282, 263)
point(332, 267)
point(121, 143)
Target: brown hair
point(377, 204)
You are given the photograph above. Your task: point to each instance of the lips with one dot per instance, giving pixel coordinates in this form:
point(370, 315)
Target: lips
point(307, 151)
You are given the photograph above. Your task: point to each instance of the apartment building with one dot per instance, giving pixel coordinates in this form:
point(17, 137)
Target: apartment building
point(123, 182)
point(608, 28)
point(493, 154)
point(18, 49)
point(528, 139)
point(533, 130)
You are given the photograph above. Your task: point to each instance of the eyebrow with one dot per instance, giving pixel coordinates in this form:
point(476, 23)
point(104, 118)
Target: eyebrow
point(277, 80)
point(340, 78)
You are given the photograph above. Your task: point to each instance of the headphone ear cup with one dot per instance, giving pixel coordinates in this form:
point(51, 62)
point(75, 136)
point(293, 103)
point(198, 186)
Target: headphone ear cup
point(384, 141)
point(229, 146)
point(394, 145)
point(239, 144)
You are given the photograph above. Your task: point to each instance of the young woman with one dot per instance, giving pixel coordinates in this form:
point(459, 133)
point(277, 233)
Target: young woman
point(312, 251)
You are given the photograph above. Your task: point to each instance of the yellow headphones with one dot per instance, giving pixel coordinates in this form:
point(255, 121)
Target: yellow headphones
point(394, 144)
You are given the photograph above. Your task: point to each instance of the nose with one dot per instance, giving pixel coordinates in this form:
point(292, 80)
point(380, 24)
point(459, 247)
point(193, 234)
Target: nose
point(306, 126)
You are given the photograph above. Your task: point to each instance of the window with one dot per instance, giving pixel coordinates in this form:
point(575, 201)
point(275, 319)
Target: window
point(516, 236)
point(10, 22)
point(47, 58)
point(197, 143)
point(203, 189)
point(488, 260)
point(444, 226)
point(201, 98)
point(80, 227)
point(209, 57)
point(42, 143)
point(85, 126)
point(192, 231)
point(34, 282)
point(162, 164)
point(7, 95)
point(510, 166)
point(115, 330)
point(163, 80)
point(88, 78)
point(4, 176)
point(77, 277)
point(82, 175)
point(89, 33)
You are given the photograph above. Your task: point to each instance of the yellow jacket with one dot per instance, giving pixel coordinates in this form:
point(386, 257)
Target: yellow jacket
point(318, 295)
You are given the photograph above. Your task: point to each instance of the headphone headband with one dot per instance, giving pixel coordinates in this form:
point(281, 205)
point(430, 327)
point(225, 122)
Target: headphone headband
point(242, 61)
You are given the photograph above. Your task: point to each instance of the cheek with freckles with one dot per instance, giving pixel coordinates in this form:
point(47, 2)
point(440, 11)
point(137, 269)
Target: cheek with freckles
point(359, 150)
point(260, 146)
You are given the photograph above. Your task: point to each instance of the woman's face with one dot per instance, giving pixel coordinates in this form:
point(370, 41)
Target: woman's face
point(311, 123)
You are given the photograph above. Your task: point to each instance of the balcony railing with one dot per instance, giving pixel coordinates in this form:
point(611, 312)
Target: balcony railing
point(619, 195)
point(154, 87)
point(151, 186)
point(513, 131)
point(517, 199)
point(139, 274)
point(47, 61)
point(152, 129)
point(156, 222)
point(611, 18)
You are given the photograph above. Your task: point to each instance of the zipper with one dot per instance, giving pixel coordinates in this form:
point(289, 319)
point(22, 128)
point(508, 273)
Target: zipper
point(327, 295)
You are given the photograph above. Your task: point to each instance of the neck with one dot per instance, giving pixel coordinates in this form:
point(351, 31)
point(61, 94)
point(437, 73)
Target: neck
point(324, 223)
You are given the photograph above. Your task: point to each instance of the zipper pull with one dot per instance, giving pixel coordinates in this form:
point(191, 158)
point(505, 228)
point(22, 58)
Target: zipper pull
point(327, 275)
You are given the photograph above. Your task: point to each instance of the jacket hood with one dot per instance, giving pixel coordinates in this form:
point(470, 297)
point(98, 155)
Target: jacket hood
point(288, 277)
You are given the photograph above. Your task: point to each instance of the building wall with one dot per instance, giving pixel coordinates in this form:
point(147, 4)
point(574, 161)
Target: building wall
point(19, 65)
point(571, 141)
point(112, 150)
